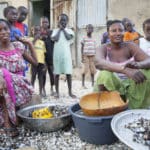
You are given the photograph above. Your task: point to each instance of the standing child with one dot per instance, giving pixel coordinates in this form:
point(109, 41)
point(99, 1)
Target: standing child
point(49, 44)
point(105, 36)
point(40, 51)
point(145, 41)
point(22, 15)
point(88, 50)
point(62, 36)
point(11, 14)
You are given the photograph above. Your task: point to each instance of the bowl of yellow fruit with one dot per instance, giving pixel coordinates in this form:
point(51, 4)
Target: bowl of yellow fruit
point(45, 117)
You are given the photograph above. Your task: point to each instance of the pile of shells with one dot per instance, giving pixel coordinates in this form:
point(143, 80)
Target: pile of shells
point(64, 139)
point(141, 130)
point(59, 110)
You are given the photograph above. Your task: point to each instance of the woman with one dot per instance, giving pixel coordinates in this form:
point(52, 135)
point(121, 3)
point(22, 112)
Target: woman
point(125, 67)
point(15, 90)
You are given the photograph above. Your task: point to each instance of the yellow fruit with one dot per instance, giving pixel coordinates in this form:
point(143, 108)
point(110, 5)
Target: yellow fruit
point(43, 113)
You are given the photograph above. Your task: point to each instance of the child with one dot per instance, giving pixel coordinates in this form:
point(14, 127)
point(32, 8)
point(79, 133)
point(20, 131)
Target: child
point(105, 37)
point(40, 51)
point(62, 36)
point(144, 42)
point(11, 14)
point(22, 15)
point(46, 37)
point(88, 50)
point(131, 34)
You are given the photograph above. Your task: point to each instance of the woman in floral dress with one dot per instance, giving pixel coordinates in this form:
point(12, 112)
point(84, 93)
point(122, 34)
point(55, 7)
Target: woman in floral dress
point(15, 89)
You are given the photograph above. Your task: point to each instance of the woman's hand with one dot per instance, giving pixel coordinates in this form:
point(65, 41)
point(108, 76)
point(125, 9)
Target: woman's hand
point(135, 75)
point(25, 40)
point(133, 64)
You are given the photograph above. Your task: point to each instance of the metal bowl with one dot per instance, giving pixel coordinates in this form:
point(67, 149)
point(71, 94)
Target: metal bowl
point(44, 125)
point(125, 135)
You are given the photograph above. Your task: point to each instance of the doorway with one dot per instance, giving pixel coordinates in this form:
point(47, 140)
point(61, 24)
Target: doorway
point(38, 8)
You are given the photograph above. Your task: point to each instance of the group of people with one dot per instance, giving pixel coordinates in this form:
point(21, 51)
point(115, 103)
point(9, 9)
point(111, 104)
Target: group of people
point(123, 60)
point(125, 65)
point(17, 51)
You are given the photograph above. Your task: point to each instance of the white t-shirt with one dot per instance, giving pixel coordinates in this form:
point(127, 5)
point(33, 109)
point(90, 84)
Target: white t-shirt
point(144, 45)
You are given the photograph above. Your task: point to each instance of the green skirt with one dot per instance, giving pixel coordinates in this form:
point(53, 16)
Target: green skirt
point(137, 94)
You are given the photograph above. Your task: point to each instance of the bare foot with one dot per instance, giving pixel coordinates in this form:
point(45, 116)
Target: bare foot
point(72, 95)
point(56, 95)
point(84, 87)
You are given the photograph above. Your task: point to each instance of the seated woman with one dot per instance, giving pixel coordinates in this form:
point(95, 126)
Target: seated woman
point(15, 89)
point(124, 67)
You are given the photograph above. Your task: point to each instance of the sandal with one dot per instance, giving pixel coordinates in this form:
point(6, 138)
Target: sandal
point(11, 132)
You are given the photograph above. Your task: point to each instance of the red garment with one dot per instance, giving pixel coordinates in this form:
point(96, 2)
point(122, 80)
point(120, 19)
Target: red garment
point(20, 26)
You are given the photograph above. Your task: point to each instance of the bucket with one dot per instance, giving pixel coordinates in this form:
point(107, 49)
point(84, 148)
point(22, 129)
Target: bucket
point(94, 130)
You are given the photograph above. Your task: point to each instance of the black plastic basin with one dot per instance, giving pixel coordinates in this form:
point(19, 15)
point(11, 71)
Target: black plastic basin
point(94, 130)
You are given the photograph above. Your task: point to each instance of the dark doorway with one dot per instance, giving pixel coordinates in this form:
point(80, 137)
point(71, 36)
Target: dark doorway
point(39, 8)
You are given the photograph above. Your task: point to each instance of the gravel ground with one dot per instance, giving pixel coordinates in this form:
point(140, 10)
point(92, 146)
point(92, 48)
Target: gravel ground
point(66, 139)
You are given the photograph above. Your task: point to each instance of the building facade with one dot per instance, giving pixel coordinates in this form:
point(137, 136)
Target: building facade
point(83, 12)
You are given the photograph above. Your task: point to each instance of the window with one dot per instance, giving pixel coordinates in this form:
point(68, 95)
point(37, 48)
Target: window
point(92, 12)
point(2, 6)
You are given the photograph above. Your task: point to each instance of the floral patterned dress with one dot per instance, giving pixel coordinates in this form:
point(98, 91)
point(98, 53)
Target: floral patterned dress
point(19, 89)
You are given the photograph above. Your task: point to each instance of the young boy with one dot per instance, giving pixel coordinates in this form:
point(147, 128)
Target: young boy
point(62, 36)
point(88, 50)
point(144, 42)
point(46, 37)
point(11, 14)
point(22, 15)
point(40, 51)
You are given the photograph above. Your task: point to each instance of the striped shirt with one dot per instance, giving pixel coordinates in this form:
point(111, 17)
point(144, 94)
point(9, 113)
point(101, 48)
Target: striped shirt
point(89, 47)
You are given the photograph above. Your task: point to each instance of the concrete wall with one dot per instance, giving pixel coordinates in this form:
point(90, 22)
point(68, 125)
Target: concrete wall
point(17, 3)
point(136, 10)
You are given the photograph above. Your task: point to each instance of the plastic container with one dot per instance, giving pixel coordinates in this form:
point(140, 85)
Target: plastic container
point(94, 130)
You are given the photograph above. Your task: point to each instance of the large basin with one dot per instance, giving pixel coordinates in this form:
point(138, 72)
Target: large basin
point(44, 125)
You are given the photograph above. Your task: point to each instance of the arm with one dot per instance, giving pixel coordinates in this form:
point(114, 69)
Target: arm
point(55, 37)
point(31, 58)
point(104, 64)
point(131, 72)
point(141, 59)
point(67, 35)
